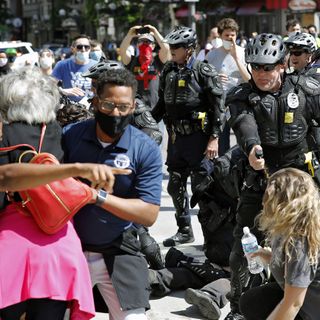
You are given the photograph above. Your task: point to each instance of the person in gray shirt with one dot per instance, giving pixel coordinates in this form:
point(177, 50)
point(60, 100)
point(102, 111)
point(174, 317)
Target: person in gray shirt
point(290, 218)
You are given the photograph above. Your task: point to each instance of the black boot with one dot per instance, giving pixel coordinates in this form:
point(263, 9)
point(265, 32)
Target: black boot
point(150, 248)
point(203, 300)
point(184, 235)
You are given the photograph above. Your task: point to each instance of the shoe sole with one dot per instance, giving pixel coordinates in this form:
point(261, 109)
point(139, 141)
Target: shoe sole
point(205, 304)
point(173, 243)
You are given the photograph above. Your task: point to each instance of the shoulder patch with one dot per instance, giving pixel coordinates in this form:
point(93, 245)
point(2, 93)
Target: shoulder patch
point(240, 93)
point(207, 69)
point(309, 85)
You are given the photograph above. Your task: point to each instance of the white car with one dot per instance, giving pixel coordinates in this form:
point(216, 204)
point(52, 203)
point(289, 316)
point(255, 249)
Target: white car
point(26, 55)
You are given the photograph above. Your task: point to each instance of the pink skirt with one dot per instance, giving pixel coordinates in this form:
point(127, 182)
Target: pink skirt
point(36, 265)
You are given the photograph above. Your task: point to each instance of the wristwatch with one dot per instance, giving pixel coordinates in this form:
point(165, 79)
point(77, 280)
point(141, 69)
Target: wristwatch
point(101, 197)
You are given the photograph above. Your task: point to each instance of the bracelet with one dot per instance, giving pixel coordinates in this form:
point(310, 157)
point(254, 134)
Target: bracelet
point(101, 198)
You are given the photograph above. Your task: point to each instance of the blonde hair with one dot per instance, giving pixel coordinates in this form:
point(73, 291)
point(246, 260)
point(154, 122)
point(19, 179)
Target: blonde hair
point(291, 209)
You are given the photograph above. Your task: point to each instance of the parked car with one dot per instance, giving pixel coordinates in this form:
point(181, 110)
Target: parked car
point(25, 53)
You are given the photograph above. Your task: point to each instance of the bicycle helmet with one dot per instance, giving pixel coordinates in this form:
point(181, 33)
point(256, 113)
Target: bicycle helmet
point(302, 41)
point(102, 66)
point(182, 35)
point(266, 48)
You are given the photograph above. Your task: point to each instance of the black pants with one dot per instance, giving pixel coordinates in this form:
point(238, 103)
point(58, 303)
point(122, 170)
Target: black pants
point(249, 206)
point(163, 281)
point(251, 305)
point(35, 309)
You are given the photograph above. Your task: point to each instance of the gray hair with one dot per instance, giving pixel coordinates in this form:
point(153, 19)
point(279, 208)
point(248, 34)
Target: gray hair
point(28, 95)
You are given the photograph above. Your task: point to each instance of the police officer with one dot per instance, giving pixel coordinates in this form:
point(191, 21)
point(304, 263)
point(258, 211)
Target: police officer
point(301, 47)
point(192, 106)
point(271, 116)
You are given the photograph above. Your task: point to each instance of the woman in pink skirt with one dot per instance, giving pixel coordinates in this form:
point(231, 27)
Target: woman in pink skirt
point(40, 275)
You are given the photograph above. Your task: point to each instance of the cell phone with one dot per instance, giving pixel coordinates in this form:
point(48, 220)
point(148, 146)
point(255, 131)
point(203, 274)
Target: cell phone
point(143, 30)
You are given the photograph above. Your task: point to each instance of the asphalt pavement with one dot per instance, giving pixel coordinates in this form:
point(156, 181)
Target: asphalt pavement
point(173, 306)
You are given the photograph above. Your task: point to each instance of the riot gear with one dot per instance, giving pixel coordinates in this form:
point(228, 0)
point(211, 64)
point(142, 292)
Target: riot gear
point(191, 103)
point(182, 35)
point(265, 48)
point(303, 41)
point(102, 66)
point(279, 121)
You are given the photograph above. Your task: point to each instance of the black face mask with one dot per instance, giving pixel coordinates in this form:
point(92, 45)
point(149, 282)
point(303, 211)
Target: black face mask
point(112, 125)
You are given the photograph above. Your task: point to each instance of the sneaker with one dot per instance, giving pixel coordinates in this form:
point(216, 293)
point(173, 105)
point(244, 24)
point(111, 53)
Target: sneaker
point(184, 235)
point(234, 316)
point(207, 307)
point(174, 257)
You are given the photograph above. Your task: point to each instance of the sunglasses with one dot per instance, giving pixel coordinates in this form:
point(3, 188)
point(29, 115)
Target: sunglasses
point(176, 46)
point(264, 67)
point(297, 53)
point(81, 46)
point(109, 106)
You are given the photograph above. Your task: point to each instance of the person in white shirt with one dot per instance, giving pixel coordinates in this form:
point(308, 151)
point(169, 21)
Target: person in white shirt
point(229, 61)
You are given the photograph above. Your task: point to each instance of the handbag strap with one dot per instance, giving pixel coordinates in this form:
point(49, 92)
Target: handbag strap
point(43, 131)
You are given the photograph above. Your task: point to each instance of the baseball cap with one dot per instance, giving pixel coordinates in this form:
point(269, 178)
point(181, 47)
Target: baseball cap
point(11, 52)
point(146, 36)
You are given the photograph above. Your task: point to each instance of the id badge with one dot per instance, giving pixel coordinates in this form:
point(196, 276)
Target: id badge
point(288, 117)
point(181, 83)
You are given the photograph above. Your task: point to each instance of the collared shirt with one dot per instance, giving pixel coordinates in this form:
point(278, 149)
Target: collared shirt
point(95, 225)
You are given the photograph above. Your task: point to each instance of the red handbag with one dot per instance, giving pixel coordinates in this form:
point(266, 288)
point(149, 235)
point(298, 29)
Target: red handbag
point(52, 205)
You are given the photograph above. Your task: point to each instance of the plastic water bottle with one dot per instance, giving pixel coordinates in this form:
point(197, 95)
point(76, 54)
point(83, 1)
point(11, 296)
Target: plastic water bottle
point(250, 245)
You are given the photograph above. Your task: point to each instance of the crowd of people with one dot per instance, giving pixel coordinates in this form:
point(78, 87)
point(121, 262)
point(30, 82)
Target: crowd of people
point(101, 119)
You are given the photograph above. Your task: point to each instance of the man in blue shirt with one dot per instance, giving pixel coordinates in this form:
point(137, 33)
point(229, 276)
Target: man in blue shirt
point(69, 71)
point(106, 229)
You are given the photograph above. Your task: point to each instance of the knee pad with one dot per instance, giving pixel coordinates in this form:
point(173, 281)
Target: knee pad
point(176, 185)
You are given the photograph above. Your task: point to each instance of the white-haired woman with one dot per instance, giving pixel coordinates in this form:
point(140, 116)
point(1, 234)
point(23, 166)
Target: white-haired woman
point(40, 275)
point(291, 220)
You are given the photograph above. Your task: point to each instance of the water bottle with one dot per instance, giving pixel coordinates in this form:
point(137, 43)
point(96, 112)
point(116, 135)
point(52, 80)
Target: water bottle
point(250, 245)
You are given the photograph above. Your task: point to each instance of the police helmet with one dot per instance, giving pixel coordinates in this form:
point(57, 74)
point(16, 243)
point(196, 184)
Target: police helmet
point(182, 35)
point(266, 48)
point(302, 41)
point(102, 66)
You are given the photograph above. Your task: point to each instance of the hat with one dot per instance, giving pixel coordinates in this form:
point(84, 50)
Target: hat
point(11, 52)
point(146, 36)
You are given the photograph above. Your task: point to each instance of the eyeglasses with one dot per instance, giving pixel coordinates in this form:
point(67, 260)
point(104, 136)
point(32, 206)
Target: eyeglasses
point(176, 46)
point(297, 53)
point(109, 106)
point(81, 46)
point(264, 67)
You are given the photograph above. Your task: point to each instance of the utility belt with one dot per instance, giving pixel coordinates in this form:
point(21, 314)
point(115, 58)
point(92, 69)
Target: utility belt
point(185, 127)
point(126, 243)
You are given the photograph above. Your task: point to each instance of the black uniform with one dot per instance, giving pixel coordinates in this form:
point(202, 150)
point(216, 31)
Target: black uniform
point(280, 123)
point(192, 106)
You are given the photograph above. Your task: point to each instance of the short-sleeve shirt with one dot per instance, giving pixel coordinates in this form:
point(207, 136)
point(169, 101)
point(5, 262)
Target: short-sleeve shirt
point(96, 226)
point(70, 73)
point(225, 63)
point(297, 272)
